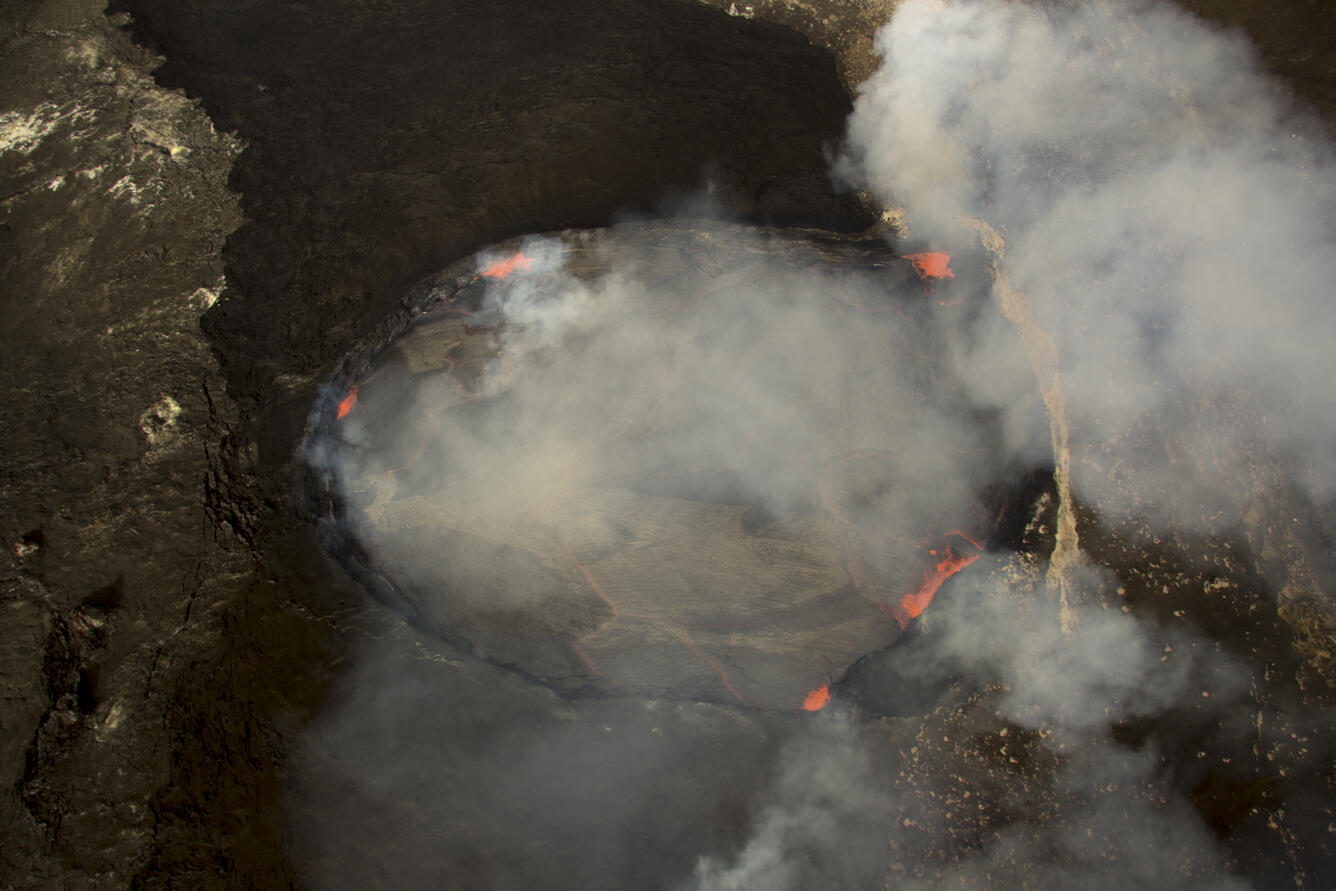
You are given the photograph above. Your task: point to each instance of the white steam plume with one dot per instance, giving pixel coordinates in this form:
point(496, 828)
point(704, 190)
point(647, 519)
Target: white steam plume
point(824, 825)
point(1170, 219)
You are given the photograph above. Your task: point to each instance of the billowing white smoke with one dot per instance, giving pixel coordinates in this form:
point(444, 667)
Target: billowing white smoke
point(1174, 229)
point(836, 819)
point(1171, 221)
point(824, 827)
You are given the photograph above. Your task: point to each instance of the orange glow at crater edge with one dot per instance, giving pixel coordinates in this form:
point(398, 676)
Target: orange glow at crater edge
point(932, 264)
point(929, 265)
point(817, 699)
point(912, 605)
point(503, 268)
point(347, 404)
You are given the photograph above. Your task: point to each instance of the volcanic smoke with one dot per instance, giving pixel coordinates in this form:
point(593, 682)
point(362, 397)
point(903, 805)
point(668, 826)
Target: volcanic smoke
point(711, 467)
point(705, 476)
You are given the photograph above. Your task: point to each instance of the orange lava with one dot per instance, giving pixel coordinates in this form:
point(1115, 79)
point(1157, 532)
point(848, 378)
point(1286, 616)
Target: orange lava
point(817, 699)
point(503, 268)
point(347, 404)
point(912, 605)
point(932, 264)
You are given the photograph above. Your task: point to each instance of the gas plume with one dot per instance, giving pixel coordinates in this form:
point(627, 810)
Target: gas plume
point(1070, 805)
point(721, 453)
point(1168, 213)
point(1170, 218)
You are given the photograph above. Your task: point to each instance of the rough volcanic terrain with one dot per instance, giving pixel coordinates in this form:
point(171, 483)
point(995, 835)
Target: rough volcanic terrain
point(212, 211)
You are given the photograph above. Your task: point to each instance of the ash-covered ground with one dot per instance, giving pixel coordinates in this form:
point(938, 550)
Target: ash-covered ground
point(211, 214)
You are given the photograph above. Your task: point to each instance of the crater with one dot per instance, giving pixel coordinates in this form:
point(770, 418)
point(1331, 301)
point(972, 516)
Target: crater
point(708, 461)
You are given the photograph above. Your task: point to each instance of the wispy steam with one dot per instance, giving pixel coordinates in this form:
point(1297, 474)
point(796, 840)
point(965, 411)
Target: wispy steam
point(1171, 222)
point(1170, 218)
point(660, 439)
point(1083, 809)
point(824, 823)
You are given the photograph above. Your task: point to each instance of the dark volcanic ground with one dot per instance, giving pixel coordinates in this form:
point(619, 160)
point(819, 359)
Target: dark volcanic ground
point(204, 206)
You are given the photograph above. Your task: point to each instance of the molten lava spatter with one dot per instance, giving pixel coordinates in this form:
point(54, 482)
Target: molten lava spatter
point(932, 264)
point(817, 699)
point(347, 404)
point(503, 268)
point(912, 605)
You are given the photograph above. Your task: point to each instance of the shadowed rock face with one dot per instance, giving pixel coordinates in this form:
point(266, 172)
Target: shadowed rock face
point(384, 141)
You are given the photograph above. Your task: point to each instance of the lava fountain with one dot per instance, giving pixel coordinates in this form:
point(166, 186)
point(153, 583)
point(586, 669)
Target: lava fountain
point(662, 460)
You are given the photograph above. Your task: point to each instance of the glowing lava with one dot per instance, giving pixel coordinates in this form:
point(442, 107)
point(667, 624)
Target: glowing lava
point(503, 268)
point(347, 404)
point(912, 605)
point(817, 699)
point(932, 264)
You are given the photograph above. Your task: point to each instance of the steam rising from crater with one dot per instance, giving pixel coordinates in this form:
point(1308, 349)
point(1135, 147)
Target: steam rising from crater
point(1170, 218)
point(705, 459)
point(1171, 222)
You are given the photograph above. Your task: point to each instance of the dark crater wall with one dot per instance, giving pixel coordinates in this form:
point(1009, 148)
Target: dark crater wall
point(384, 141)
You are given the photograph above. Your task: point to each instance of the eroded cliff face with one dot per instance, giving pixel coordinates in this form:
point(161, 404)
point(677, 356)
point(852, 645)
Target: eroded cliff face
point(205, 206)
